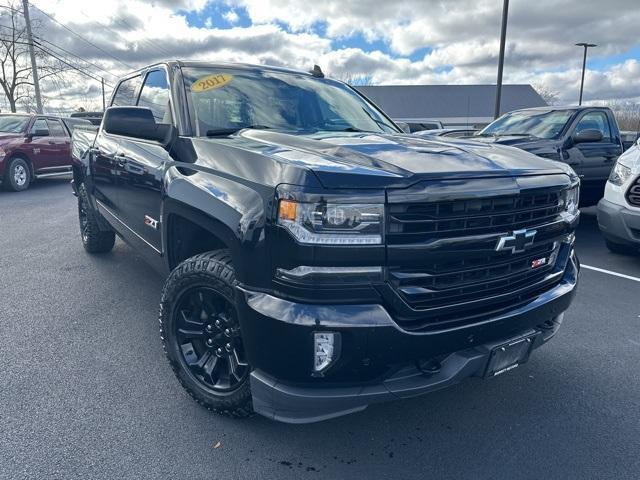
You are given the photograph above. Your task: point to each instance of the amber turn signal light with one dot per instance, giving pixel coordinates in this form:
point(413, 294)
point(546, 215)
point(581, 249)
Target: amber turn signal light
point(287, 210)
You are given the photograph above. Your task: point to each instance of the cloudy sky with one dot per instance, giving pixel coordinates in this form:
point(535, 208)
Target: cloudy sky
point(380, 42)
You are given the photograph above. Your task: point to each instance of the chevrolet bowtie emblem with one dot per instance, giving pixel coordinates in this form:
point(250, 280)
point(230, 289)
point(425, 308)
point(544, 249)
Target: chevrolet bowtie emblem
point(519, 241)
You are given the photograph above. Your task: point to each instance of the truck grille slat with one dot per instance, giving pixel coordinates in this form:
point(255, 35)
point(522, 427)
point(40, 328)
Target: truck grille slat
point(465, 278)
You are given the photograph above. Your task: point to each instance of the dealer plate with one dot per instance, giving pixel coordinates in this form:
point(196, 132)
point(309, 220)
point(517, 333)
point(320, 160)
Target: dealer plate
point(509, 355)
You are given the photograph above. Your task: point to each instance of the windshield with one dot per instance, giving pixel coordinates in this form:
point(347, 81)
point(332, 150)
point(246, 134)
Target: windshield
point(542, 124)
point(225, 100)
point(13, 123)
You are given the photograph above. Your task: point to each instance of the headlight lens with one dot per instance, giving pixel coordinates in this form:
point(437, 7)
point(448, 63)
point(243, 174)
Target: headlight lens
point(571, 199)
point(332, 223)
point(619, 174)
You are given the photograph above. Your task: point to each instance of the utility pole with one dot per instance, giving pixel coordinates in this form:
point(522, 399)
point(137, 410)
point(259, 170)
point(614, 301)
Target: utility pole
point(503, 38)
point(584, 64)
point(103, 101)
point(34, 68)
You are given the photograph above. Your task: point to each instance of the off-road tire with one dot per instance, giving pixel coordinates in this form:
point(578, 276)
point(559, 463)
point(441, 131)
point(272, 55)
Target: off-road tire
point(20, 166)
point(94, 240)
point(215, 271)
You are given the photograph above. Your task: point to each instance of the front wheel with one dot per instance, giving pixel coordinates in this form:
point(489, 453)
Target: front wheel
point(201, 335)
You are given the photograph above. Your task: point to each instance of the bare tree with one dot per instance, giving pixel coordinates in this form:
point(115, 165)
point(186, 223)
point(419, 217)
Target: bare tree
point(353, 79)
point(548, 95)
point(15, 68)
point(627, 113)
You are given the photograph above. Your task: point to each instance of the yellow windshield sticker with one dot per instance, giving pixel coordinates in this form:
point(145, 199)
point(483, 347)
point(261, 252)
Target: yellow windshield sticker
point(210, 82)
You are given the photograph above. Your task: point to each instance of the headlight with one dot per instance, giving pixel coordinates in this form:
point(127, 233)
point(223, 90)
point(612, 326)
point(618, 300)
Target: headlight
point(332, 223)
point(619, 174)
point(571, 199)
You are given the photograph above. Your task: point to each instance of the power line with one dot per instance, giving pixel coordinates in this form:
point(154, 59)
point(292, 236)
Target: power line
point(84, 39)
point(63, 61)
point(49, 52)
point(59, 47)
point(76, 56)
point(158, 48)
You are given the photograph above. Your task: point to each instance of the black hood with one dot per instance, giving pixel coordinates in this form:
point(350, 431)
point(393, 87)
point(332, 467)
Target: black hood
point(389, 160)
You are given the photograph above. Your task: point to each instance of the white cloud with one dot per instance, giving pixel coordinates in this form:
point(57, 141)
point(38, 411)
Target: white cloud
point(461, 39)
point(231, 16)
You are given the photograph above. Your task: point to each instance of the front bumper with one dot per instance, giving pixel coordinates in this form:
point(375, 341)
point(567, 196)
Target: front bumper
point(379, 360)
point(619, 224)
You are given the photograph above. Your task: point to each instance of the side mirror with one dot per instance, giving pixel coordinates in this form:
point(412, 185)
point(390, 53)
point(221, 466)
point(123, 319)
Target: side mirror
point(40, 132)
point(588, 135)
point(135, 122)
point(404, 126)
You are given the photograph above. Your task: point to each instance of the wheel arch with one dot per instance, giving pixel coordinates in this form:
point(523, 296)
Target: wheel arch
point(189, 231)
point(25, 157)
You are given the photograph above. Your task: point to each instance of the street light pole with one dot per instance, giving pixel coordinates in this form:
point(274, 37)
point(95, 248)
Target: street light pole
point(584, 64)
point(503, 38)
point(103, 102)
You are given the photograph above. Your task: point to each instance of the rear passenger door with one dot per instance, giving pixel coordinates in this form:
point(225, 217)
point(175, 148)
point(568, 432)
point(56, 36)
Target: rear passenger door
point(106, 170)
point(60, 143)
point(142, 165)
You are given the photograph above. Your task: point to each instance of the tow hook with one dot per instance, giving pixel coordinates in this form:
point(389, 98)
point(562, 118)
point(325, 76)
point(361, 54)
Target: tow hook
point(429, 367)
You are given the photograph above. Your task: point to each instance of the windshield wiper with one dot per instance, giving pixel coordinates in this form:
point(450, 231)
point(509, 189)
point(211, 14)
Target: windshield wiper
point(223, 132)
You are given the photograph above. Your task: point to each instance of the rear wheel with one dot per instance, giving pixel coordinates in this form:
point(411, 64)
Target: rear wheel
point(93, 239)
point(201, 334)
point(18, 175)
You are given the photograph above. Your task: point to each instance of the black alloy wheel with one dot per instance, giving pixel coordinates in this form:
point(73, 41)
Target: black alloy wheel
point(208, 336)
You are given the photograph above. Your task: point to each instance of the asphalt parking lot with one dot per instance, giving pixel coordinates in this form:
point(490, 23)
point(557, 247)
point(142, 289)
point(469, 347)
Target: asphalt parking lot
point(85, 390)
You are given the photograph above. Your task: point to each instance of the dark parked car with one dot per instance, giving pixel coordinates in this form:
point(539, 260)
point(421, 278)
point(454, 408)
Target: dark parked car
point(32, 146)
point(449, 132)
point(418, 126)
point(318, 259)
point(587, 138)
point(94, 117)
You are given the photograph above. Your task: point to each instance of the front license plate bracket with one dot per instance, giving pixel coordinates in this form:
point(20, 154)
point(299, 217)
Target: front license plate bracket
point(509, 355)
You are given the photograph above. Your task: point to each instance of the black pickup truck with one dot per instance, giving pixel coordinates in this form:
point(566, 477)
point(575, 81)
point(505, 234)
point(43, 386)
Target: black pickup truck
point(586, 138)
point(318, 259)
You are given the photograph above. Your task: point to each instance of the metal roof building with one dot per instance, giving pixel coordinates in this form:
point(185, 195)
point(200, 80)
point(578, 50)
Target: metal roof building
point(453, 105)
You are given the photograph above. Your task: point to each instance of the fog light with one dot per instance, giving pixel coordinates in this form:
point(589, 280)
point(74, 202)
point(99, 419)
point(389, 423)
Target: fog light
point(326, 349)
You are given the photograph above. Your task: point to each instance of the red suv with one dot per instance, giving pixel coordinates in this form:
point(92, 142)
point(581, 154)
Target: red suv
point(34, 146)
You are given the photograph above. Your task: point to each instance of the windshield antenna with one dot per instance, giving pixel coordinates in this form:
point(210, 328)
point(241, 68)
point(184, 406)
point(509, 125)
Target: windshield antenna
point(316, 72)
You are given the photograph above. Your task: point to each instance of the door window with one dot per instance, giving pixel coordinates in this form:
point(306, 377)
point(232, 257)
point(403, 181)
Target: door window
point(155, 96)
point(39, 124)
point(125, 95)
point(56, 129)
point(596, 121)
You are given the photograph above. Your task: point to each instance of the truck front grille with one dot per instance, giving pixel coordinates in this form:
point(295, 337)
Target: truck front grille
point(633, 194)
point(473, 216)
point(443, 262)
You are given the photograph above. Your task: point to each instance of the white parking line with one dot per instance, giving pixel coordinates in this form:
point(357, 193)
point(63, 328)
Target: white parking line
point(609, 272)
